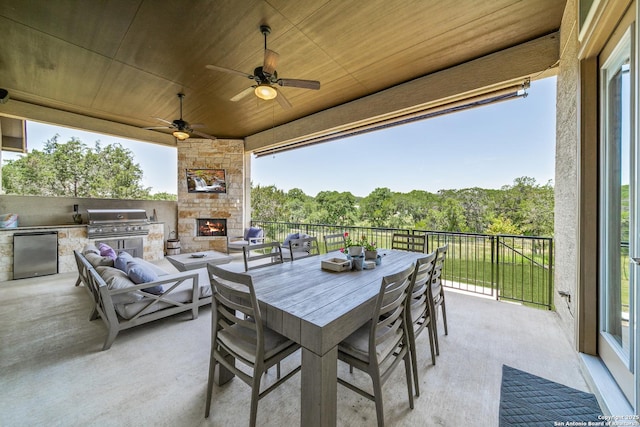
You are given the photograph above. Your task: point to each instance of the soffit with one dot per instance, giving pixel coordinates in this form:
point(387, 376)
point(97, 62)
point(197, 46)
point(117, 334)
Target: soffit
point(124, 61)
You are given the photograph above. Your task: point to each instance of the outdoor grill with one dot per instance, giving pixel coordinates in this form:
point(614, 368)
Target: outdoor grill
point(111, 223)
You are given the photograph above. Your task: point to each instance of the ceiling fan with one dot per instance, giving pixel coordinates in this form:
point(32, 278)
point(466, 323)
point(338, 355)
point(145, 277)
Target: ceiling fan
point(181, 128)
point(266, 77)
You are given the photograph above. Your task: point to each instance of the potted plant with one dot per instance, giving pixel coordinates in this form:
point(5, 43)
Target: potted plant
point(352, 247)
point(370, 249)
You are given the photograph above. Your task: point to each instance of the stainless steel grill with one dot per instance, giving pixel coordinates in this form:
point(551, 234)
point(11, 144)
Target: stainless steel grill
point(106, 223)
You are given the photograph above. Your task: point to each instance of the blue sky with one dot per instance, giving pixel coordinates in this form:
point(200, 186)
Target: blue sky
point(484, 147)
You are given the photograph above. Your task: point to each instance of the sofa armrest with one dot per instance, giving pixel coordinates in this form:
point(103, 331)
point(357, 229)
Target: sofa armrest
point(172, 280)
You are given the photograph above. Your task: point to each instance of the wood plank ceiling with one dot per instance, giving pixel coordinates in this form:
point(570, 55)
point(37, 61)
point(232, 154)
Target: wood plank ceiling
point(125, 60)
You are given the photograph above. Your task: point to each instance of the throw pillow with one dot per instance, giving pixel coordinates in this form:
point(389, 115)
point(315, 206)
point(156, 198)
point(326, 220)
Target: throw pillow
point(140, 273)
point(121, 261)
point(96, 260)
point(253, 232)
point(106, 250)
point(291, 236)
point(116, 279)
point(90, 248)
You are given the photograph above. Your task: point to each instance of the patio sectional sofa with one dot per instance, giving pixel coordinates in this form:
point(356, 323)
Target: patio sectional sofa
point(128, 292)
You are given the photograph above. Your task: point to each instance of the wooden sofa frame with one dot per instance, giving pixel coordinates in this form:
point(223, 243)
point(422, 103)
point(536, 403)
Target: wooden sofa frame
point(103, 306)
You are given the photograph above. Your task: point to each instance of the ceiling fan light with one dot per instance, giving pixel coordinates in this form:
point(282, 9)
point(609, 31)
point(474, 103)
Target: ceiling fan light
point(180, 135)
point(265, 91)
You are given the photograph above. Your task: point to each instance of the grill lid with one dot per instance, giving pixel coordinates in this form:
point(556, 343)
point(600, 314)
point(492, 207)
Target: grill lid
point(110, 216)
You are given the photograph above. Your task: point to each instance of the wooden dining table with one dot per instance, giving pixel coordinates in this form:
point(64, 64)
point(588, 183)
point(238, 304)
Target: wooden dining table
point(318, 309)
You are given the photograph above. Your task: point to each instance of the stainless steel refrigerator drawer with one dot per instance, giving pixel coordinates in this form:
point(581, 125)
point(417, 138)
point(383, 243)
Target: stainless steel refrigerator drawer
point(35, 254)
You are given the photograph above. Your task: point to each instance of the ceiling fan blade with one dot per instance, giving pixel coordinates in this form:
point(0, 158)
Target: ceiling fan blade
point(283, 101)
point(204, 135)
point(164, 121)
point(270, 61)
point(157, 127)
point(304, 84)
point(228, 70)
point(197, 125)
point(242, 94)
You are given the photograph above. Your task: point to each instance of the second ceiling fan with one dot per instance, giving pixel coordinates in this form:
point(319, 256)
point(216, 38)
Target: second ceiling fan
point(266, 77)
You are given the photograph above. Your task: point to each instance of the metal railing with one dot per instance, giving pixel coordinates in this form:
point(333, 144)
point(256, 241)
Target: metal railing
point(515, 268)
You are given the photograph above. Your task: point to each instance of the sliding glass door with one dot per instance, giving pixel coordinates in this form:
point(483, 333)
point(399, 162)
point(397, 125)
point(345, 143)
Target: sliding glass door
point(619, 246)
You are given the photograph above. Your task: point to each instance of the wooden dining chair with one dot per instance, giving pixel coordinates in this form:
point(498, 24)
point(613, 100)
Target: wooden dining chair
point(334, 242)
point(418, 311)
point(437, 294)
point(379, 346)
point(303, 247)
point(262, 255)
point(238, 335)
point(409, 242)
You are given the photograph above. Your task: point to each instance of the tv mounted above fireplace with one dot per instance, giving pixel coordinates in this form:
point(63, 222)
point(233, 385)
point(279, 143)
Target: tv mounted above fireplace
point(206, 181)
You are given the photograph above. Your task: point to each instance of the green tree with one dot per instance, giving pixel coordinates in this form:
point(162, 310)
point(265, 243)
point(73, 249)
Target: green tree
point(74, 170)
point(268, 203)
point(299, 205)
point(377, 208)
point(502, 225)
point(336, 208)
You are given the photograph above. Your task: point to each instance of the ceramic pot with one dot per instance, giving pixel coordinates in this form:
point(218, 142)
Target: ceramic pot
point(370, 254)
point(355, 251)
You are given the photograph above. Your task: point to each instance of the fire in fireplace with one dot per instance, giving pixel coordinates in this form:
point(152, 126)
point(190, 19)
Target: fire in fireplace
point(212, 227)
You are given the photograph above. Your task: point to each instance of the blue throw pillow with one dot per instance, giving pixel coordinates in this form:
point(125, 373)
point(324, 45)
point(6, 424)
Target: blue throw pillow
point(140, 273)
point(291, 236)
point(121, 261)
point(253, 232)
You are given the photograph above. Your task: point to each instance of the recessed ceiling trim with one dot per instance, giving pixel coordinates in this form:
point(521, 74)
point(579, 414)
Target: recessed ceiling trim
point(487, 98)
point(39, 113)
point(484, 75)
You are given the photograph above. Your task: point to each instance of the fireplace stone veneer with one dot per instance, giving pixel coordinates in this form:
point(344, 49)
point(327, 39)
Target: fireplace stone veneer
point(211, 227)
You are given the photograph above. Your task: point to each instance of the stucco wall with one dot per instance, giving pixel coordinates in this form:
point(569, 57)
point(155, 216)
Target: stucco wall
point(566, 178)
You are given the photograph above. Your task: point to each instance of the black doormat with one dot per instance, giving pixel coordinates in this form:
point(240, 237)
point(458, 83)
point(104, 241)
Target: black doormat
point(529, 400)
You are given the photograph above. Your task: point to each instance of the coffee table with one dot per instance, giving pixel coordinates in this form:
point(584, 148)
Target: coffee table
point(185, 262)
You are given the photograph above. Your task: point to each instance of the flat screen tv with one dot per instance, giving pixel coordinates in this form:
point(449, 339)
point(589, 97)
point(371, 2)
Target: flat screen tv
point(206, 181)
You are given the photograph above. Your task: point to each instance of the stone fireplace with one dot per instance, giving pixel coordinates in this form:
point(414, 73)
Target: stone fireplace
point(211, 227)
point(224, 211)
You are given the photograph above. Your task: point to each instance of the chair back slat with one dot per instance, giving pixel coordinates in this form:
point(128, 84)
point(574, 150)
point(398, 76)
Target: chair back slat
point(263, 255)
point(409, 242)
point(234, 297)
point(334, 242)
point(422, 276)
point(436, 278)
point(389, 328)
point(303, 247)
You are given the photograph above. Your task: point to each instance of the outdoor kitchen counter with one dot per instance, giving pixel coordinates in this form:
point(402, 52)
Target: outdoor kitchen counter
point(71, 237)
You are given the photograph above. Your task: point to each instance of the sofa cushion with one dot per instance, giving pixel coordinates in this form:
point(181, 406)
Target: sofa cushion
point(106, 250)
point(116, 279)
point(183, 293)
point(96, 260)
point(121, 260)
point(90, 248)
point(141, 273)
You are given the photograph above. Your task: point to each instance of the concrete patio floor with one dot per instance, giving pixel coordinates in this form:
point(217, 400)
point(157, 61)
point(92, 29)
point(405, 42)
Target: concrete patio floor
point(53, 372)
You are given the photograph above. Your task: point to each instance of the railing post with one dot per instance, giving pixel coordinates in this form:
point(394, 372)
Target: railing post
point(550, 304)
point(496, 248)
